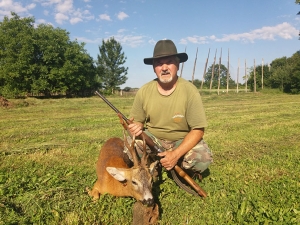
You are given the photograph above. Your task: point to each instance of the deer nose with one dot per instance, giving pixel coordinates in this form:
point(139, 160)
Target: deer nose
point(148, 202)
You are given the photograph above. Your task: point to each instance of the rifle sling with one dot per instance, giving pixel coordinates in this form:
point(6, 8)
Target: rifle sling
point(182, 184)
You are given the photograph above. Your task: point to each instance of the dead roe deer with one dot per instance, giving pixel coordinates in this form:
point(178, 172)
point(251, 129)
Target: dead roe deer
point(117, 177)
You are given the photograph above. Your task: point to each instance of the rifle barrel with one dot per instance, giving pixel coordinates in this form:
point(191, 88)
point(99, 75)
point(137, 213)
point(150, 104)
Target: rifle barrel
point(111, 105)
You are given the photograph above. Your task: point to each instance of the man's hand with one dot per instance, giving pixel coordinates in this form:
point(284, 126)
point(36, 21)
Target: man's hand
point(135, 128)
point(169, 159)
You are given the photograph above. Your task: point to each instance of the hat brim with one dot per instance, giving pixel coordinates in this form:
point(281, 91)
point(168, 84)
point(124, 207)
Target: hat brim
point(183, 57)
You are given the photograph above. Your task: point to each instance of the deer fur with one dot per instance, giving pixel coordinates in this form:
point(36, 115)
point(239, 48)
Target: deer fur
point(117, 177)
point(144, 215)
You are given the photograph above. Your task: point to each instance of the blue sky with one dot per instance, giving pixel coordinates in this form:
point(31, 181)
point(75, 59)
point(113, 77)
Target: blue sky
point(260, 30)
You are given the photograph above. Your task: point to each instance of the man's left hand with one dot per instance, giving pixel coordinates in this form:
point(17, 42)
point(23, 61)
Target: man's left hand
point(168, 159)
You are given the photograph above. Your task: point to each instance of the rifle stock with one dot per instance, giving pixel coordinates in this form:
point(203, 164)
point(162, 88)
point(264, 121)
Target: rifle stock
point(154, 148)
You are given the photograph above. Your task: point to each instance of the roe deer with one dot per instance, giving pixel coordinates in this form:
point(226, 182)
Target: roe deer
point(117, 177)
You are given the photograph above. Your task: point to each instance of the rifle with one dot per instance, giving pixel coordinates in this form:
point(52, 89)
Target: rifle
point(154, 147)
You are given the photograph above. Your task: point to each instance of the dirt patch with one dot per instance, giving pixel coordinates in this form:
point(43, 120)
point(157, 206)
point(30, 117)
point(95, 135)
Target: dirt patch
point(5, 103)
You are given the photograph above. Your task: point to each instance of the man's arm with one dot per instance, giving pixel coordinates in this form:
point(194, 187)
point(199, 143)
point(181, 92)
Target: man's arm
point(170, 158)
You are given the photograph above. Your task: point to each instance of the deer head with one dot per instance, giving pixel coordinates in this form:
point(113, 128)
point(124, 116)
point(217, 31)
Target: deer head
point(138, 178)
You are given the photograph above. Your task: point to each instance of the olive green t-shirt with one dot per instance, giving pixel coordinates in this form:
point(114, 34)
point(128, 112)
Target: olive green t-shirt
point(169, 117)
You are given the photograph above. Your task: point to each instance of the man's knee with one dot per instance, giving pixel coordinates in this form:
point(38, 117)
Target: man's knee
point(198, 158)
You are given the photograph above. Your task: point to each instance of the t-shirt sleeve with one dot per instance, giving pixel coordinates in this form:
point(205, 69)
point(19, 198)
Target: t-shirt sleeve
point(137, 112)
point(195, 112)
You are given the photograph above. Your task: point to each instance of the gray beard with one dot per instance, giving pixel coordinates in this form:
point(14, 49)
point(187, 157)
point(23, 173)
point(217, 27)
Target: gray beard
point(165, 81)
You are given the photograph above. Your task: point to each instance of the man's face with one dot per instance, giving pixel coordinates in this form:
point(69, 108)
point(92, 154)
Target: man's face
point(166, 68)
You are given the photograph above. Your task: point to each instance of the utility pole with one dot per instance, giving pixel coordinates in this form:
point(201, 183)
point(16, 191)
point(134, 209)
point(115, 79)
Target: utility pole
point(237, 77)
point(254, 77)
point(182, 65)
point(228, 73)
point(246, 78)
point(212, 72)
point(204, 72)
point(219, 81)
point(262, 74)
point(194, 66)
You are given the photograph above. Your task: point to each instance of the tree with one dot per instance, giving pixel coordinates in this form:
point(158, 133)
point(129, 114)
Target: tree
point(223, 77)
point(287, 73)
point(259, 71)
point(284, 74)
point(196, 82)
point(63, 65)
point(42, 60)
point(16, 55)
point(109, 65)
point(295, 73)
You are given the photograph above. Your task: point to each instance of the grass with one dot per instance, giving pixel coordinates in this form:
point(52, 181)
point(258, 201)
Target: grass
point(48, 151)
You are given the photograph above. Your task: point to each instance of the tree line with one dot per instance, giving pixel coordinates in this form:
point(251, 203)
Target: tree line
point(282, 73)
point(44, 61)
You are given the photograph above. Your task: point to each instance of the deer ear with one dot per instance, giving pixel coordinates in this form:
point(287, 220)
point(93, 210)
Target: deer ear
point(118, 174)
point(152, 167)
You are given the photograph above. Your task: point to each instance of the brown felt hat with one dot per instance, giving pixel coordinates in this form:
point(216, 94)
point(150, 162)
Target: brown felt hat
point(165, 48)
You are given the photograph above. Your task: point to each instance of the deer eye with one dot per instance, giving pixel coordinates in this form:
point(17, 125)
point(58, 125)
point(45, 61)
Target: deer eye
point(133, 182)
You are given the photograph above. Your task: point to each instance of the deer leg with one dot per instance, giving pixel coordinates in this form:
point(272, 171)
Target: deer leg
point(94, 192)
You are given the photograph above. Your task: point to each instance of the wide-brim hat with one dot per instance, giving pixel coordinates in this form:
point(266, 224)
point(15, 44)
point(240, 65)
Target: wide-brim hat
point(165, 48)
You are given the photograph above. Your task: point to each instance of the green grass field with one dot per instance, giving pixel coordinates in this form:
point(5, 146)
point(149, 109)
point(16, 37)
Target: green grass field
point(48, 151)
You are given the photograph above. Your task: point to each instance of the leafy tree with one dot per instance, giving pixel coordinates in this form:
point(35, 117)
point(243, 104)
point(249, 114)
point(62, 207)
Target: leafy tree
point(197, 83)
point(109, 65)
point(284, 74)
point(259, 71)
point(16, 55)
point(42, 60)
point(292, 71)
point(64, 65)
point(223, 77)
point(280, 76)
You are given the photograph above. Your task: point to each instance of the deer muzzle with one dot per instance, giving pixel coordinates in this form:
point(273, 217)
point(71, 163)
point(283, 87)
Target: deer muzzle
point(148, 202)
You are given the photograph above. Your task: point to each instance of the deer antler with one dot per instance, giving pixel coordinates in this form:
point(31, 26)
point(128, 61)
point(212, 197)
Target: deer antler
point(131, 149)
point(145, 154)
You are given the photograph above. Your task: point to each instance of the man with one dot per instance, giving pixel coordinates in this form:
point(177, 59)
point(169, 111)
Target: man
point(169, 109)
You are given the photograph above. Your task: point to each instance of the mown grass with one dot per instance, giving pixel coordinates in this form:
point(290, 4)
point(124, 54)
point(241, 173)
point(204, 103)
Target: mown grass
point(48, 151)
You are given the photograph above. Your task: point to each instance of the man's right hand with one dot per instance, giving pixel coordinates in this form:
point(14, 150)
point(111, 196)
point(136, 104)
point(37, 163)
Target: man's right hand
point(135, 128)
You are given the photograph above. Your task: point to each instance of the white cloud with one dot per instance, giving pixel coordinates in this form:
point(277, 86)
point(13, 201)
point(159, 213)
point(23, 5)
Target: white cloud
point(129, 40)
point(41, 21)
point(75, 20)
point(122, 16)
point(60, 18)
point(7, 6)
point(104, 17)
point(64, 10)
point(87, 40)
point(196, 39)
point(283, 30)
point(121, 30)
point(64, 6)
point(152, 42)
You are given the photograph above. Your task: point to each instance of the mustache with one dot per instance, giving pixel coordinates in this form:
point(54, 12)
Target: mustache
point(165, 73)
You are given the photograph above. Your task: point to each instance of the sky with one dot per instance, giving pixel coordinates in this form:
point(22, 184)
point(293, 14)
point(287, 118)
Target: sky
point(250, 32)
